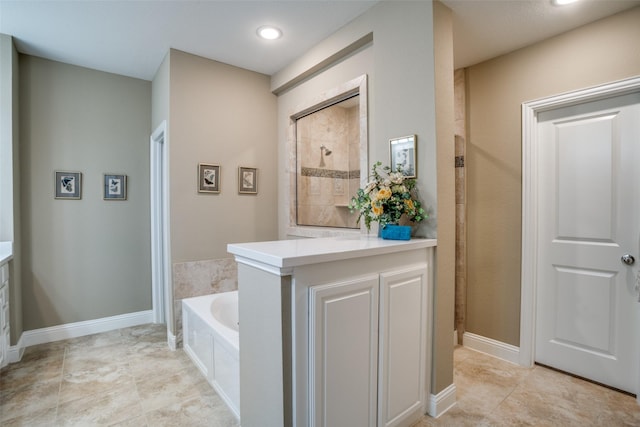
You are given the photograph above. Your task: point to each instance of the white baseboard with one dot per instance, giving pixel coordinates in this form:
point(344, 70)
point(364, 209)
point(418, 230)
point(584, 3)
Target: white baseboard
point(172, 341)
point(443, 401)
point(87, 327)
point(494, 348)
point(16, 351)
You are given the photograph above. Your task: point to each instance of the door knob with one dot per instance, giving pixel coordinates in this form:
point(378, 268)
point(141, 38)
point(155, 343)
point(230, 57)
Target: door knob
point(628, 259)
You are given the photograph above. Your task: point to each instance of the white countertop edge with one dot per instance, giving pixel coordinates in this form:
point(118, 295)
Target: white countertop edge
point(278, 271)
point(6, 252)
point(286, 254)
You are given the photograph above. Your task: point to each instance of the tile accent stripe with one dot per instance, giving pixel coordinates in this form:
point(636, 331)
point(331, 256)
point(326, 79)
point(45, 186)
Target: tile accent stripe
point(329, 173)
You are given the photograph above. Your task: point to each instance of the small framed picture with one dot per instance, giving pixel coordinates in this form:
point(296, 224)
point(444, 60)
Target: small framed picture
point(403, 155)
point(68, 185)
point(208, 178)
point(115, 187)
point(247, 180)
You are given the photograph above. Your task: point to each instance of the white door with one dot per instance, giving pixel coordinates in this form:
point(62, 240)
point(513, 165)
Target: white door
point(587, 320)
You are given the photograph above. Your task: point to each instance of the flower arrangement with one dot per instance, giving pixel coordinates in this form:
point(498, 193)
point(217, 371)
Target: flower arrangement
point(387, 197)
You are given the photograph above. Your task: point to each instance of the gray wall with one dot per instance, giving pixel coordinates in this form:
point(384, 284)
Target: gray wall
point(401, 98)
point(6, 137)
point(160, 90)
point(10, 218)
point(83, 259)
point(400, 66)
point(594, 54)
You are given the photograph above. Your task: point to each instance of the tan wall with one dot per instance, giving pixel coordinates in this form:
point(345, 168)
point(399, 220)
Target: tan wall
point(83, 259)
point(594, 54)
point(444, 294)
point(222, 115)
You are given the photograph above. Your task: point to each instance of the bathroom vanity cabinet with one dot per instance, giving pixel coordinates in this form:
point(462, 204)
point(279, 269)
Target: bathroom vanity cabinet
point(5, 256)
point(334, 331)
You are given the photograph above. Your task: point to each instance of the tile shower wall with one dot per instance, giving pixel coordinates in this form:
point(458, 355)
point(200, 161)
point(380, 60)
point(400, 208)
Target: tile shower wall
point(327, 183)
point(461, 223)
point(197, 278)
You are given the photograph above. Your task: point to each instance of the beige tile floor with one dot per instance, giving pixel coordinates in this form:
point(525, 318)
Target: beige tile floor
point(130, 378)
point(492, 392)
point(127, 377)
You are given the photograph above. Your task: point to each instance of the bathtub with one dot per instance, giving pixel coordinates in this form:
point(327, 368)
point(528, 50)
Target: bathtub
point(210, 332)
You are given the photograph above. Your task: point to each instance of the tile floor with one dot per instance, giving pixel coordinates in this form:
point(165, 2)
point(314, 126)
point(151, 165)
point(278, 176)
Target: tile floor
point(492, 392)
point(127, 377)
point(130, 378)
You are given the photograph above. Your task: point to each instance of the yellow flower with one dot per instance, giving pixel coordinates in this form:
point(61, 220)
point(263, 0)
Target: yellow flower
point(383, 194)
point(409, 203)
point(376, 208)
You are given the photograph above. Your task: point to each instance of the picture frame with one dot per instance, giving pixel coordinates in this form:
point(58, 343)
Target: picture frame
point(68, 185)
point(402, 155)
point(115, 187)
point(208, 178)
point(247, 180)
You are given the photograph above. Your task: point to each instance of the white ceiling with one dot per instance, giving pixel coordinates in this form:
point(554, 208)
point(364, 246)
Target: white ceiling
point(131, 37)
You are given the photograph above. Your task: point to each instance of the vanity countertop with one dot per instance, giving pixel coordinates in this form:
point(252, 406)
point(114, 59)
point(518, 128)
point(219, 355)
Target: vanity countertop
point(283, 254)
point(6, 252)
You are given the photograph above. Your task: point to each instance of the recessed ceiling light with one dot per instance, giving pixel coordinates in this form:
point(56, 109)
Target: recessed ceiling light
point(269, 33)
point(562, 2)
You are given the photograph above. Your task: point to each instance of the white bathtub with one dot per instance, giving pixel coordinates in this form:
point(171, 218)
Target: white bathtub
point(210, 331)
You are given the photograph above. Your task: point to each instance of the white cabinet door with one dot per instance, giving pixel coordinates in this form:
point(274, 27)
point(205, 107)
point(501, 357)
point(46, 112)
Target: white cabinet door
point(402, 346)
point(343, 329)
point(3, 348)
point(4, 314)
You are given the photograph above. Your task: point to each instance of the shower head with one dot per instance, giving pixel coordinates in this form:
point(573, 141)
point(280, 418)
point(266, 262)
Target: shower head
point(327, 152)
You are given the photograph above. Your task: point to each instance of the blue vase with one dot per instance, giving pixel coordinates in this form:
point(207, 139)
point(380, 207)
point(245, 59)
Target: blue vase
point(395, 232)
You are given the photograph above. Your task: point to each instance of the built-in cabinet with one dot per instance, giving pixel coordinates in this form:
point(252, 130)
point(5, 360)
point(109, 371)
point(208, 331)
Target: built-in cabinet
point(343, 352)
point(368, 340)
point(334, 332)
point(4, 314)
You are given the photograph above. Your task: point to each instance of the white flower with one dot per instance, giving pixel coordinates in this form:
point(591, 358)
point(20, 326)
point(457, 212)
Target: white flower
point(370, 186)
point(396, 177)
point(386, 182)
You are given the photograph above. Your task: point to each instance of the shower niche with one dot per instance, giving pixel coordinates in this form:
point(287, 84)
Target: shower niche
point(331, 149)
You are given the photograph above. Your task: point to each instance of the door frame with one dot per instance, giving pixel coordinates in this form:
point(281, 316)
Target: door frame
point(530, 175)
point(160, 247)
